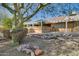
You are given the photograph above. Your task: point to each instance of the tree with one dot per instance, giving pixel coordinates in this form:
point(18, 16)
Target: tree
point(23, 12)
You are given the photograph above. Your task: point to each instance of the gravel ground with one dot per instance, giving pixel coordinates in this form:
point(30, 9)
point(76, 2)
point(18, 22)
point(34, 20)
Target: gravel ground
point(61, 45)
point(65, 45)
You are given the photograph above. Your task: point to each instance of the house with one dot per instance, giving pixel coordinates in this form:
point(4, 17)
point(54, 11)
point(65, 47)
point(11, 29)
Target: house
point(56, 24)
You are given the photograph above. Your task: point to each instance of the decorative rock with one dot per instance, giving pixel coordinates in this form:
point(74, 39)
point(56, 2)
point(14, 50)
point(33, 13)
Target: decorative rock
point(28, 52)
point(30, 49)
point(7, 34)
point(38, 52)
point(60, 38)
point(19, 35)
point(36, 47)
point(25, 49)
point(63, 47)
point(1, 34)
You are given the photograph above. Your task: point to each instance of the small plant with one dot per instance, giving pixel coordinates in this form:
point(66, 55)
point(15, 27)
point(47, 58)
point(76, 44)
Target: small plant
point(7, 23)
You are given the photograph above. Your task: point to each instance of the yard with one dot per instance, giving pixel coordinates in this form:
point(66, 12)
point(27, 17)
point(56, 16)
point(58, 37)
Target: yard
point(62, 20)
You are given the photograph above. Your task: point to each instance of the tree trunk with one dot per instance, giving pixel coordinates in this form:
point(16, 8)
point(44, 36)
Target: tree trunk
point(19, 33)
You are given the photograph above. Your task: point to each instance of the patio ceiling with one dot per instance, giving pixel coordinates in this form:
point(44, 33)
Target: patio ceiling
point(62, 19)
point(56, 19)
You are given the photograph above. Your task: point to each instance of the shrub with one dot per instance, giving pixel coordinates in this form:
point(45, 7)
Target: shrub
point(7, 23)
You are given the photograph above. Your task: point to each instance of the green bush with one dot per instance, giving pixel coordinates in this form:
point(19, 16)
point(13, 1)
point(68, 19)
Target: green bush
point(7, 23)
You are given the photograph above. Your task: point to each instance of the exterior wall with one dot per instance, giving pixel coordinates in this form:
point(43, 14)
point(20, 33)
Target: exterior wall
point(35, 29)
point(46, 29)
point(59, 29)
point(72, 27)
point(76, 27)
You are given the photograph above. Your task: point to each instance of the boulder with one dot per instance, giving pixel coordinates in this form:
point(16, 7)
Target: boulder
point(25, 48)
point(1, 34)
point(28, 52)
point(30, 49)
point(38, 52)
point(19, 34)
point(7, 34)
point(60, 38)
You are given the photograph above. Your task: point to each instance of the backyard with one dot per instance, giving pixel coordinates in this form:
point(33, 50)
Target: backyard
point(56, 33)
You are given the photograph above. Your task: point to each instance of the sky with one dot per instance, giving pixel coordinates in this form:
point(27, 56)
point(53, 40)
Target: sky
point(57, 9)
point(54, 10)
point(4, 11)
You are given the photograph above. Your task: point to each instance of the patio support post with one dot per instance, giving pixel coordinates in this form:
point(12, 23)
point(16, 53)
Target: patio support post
point(66, 25)
point(32, 25)
point(41, 26)
point(28, 28)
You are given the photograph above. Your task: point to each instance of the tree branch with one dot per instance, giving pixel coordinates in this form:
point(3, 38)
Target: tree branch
point(30, 5)
point(8, 8)
point(22, 5)
point(36, 11)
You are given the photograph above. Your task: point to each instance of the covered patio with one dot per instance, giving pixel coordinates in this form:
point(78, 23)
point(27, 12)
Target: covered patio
point(56, 24)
